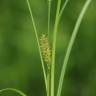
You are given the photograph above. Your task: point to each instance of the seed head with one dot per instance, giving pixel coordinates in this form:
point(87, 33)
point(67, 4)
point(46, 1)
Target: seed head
point(46, 53)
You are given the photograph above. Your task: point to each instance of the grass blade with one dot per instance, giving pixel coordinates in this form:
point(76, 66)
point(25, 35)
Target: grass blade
point(72, 40)
point(35, 30)
point(49, 13)
point(63, 8)
point(54, 47)
point(14, 90)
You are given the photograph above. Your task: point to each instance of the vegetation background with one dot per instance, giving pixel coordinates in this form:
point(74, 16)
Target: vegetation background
point(20, 65)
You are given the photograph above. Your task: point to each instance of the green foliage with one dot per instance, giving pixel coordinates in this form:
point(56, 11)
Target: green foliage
point(14, 90)
point(19, 56)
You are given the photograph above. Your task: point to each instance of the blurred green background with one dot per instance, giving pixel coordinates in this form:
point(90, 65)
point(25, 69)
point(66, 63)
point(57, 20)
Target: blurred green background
point(20, 65)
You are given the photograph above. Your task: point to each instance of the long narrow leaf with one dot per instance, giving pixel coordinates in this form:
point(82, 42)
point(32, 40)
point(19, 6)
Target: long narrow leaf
point(35, 30)
point(54, 46)
point(63, 8)
point(49, 15)
point(14, 90)
point(72, 40)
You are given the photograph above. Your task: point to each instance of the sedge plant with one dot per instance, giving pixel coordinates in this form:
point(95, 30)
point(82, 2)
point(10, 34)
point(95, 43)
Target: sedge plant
point(48, 53)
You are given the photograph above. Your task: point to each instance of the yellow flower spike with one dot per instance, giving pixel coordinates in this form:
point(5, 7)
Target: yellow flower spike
point(46, 53)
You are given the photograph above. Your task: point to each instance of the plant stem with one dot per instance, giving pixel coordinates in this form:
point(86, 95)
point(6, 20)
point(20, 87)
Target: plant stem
point(35, 30)
point(63, 8)
point(49, 13)
point(14, 90)
point(48, 82)
point(54, 47)
point(72, 40)
point(49, 70)
point(48, 92)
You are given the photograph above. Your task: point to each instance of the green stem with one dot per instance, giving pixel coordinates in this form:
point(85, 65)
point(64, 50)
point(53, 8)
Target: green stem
point(54, 47)
point(63, 8)
point(48, 73)
point(48, 93)
point(48, 83)
point(72, 40)
point(35, 30)
point(49, 13)
point(14, 90)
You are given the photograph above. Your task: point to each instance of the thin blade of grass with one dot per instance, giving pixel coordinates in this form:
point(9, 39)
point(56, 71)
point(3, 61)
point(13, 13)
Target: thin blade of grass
point(14, 90)
point(48, 73)
point(37, 38)
point(54, 46)
point(63, 8)
point(72, 40)
point(49, 13)
point(48, 84)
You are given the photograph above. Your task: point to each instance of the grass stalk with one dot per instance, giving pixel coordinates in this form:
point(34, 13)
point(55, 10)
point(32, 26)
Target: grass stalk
point(14, 90)
point(37, 38)
point(54, 47)
point(63, 8)
point(48, 83)
point(71, 42)
point(49, 70)
point(49, 14)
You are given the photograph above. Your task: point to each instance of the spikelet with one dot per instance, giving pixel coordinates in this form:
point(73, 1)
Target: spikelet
point(46, 53)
